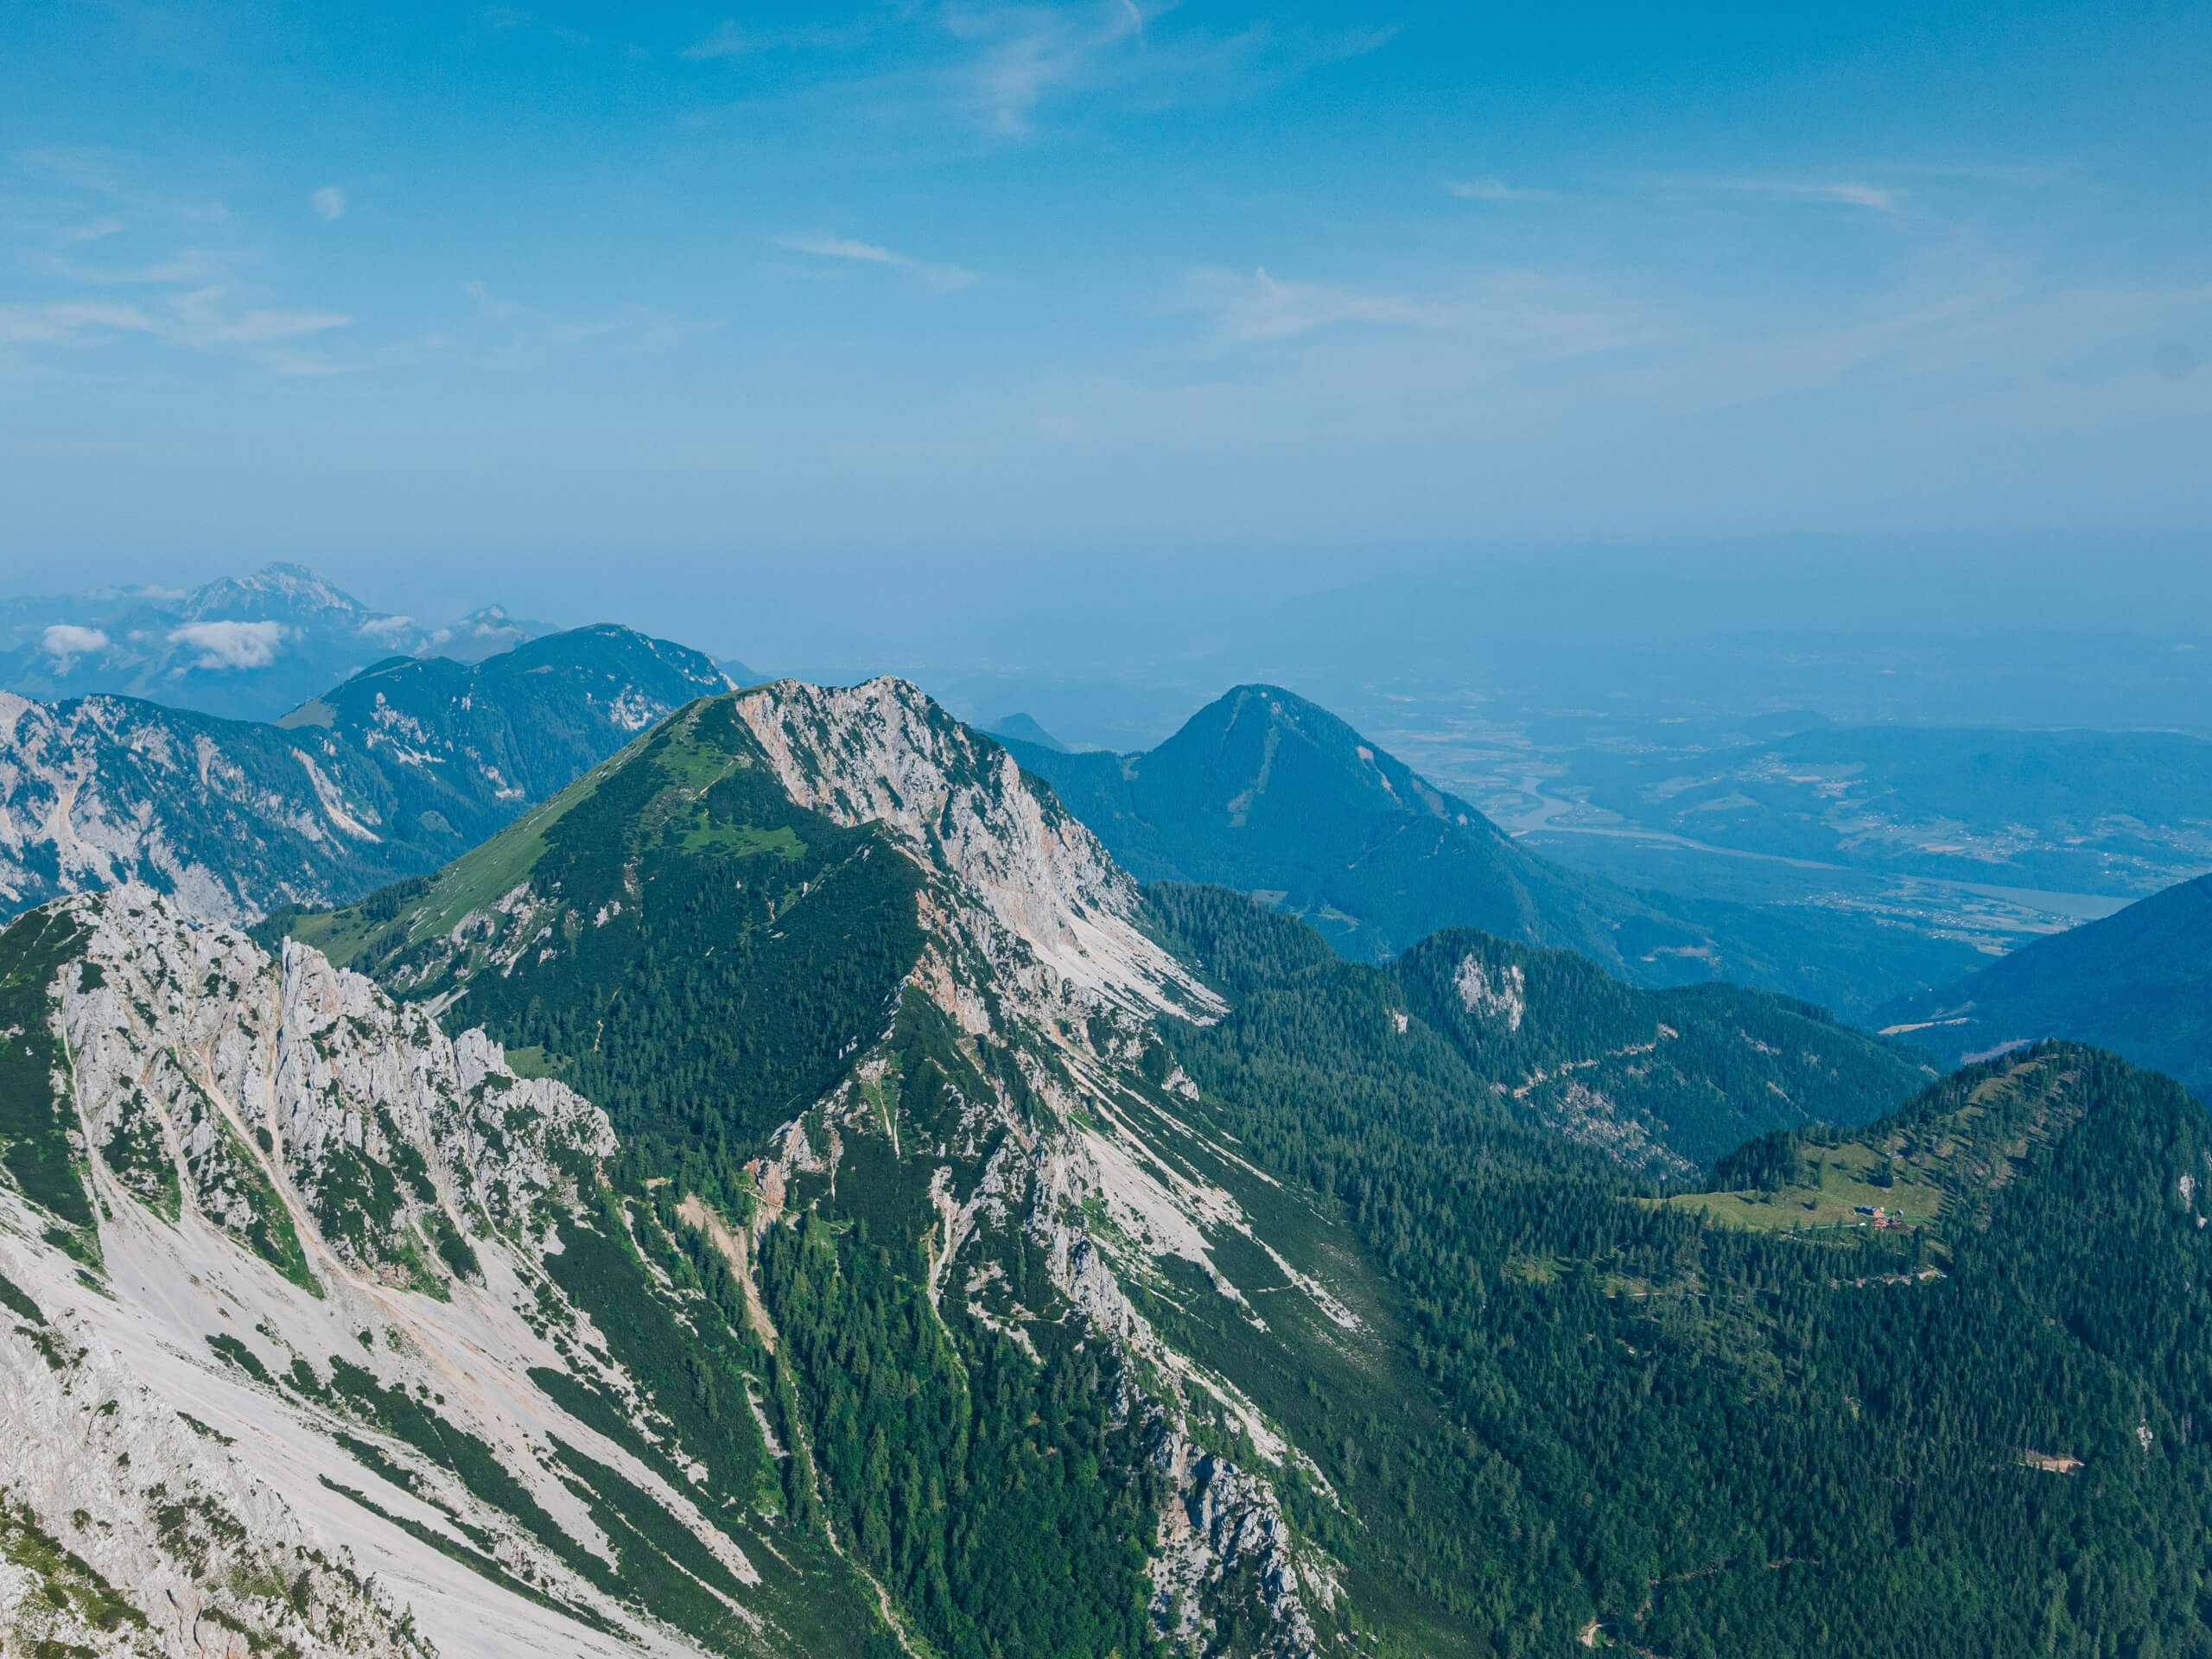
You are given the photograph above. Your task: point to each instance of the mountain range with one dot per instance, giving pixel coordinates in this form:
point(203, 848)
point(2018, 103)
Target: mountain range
point(790, 1192)
point(242, 647)
point(2139, 982)
point(395, 772)
point(1267, 793)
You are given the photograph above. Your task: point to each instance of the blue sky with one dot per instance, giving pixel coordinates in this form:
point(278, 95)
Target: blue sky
point(637, 303)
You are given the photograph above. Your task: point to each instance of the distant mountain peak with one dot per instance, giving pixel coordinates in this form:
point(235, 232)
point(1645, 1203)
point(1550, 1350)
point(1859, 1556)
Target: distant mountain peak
point(299, 591)
point(1024, 729)
point(244, 647)
point(485, 632)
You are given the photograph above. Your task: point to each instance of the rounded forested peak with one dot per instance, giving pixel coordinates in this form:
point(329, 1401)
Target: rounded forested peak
point(1984, 1118)
point(400, 676)
point(609, 646)
point(1260, 753)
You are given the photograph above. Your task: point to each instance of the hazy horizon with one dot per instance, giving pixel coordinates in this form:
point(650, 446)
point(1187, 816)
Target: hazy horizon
point(450, 303)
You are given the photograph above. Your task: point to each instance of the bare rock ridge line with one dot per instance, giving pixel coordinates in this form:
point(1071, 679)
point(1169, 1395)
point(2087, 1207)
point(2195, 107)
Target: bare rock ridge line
point(882, 753)
point(1028, 891)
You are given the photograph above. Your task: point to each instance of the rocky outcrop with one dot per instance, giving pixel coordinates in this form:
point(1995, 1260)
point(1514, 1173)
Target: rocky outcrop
point(883, 752)
point(191, 1047)
point(308, 1383)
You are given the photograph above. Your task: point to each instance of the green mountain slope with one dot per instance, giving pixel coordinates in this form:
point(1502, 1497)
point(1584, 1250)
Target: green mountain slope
point(1407, 1234)
point(1266, 792)
point(1663, 1083)
point(1666, 1080)
point(861, 1003)
point(2139, 982)
point(790, 1193)
point(396, 771)
point(1731, 1423)
point(721, 950)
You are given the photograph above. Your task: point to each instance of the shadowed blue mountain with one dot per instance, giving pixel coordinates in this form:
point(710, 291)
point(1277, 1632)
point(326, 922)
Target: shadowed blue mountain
point(1266, 792)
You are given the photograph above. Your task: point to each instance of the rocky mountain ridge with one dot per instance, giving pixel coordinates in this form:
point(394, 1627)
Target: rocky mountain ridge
point(1054, 1178)
point(271, 1149)
point(390, 773)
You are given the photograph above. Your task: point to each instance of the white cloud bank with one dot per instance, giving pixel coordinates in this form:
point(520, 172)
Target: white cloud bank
point(231, 644)
point(66, 642)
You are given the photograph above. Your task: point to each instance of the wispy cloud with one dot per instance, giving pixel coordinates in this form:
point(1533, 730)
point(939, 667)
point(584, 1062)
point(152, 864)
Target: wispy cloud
point(515, 17)
point(70, 321)
point(527, 331)
point(1492, 188)
point(1840, 192)
point(1023, 56)
point(870, 253)
point(329, 203)
point(261, 327)
point(490, 309)
point(200, 265)
point(77, 170)
point(119, 183)
point(727, 40)
point(645, 327)
point(1259, 307)
point(199, 296)
point(1008, 67)
point(1481, 326)
point(1028, 51)
point(207, 319)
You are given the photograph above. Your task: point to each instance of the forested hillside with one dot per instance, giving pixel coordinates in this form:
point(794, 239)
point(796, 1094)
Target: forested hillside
point(1661, 1082)
point(1782, 1428)
point(2139, 982)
